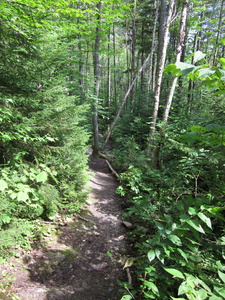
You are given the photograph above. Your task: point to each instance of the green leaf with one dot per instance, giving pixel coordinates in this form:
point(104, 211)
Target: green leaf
point(214, 298)
point(205, 219)
point(172, 68)
point(194, 224)
point(159, 255)
point(185, 68)
point(3, 185)
point(184, 218)
point(204, 73)
point(152, 286)
point(175, 239)
point(221, 275)
point(222, 61)
point(174, 272)
point(183, 254)
point(192, 211)
point(177, 298)
point(126, 297)
point(42, 177)
point(151, 255)
point(22, 196)
point(220, 290)
point(198, 56)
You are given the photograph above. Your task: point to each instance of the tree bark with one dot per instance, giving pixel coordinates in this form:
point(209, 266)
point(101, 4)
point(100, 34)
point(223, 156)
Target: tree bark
point(180, 47)
point(163, 43)
point(96, 80)
point(156, 12)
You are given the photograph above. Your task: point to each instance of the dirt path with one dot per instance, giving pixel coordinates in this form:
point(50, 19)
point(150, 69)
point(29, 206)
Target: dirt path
point(82, 261)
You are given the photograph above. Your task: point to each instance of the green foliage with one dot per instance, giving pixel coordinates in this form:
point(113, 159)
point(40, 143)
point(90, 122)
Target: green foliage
point(43, 133)
point(178, 216)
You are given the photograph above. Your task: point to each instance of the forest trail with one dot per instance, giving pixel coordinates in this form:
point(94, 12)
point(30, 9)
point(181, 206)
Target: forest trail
point(82, 261)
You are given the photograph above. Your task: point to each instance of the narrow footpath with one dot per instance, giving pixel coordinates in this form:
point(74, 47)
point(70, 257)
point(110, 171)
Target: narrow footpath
point(83, 261)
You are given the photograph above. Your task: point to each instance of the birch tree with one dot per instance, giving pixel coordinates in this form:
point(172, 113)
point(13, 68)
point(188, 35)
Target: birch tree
point(162, 51)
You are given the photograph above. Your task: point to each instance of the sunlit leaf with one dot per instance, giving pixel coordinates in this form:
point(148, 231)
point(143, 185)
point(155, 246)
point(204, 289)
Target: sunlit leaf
point(151, 255)
point(185, 68)
point(174, 272)
point(192, 211)
point(42, 177)
point(221, 275)
point(175, 239)
point(198, 56)
point(194, 224)
point(22, 196)
point(220, 291)
point(3, 185)
point(205, 219)
point(126, 297)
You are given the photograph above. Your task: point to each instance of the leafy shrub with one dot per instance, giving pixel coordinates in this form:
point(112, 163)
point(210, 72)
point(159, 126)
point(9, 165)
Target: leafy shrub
point(178, 216)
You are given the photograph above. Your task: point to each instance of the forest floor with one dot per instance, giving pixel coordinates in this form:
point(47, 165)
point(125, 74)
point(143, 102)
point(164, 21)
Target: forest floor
point(83, 258)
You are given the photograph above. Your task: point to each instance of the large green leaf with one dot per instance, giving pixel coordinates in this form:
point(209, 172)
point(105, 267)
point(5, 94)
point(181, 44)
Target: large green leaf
point(185, 68)
point(175, 239)
point(220, 290)
point(198, 55)
point(195, 224)
point(3, 185)
point(22, 196)
point(174, 272)
point(42, 177)
point(221, 275)
point(205, 219)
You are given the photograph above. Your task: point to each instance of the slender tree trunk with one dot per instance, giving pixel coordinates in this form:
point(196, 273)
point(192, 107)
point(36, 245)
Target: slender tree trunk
point(151, 62)
point(133, 48)
point(124, 100)
point(218, 32)
point(163, 43)
point(180, 47)
point(96, 80)
point(108, 76)
point(114, 67)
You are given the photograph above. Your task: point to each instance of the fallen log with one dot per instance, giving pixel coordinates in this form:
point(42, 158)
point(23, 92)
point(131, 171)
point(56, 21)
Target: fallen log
point(111, 168)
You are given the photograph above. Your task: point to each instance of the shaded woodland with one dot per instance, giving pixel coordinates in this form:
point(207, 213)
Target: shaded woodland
point(146, 76)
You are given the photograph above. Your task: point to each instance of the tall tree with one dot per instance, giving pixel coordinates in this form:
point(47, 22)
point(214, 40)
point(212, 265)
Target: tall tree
point(164, 25)
point(96, 64)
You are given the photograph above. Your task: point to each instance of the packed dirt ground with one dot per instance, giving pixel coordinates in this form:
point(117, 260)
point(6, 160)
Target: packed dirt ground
point(83, 259)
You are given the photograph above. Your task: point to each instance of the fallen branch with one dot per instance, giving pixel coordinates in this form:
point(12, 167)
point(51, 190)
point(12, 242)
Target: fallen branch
point(129, 278)
point(111, 168)
point(84, 219)
point(106, 155)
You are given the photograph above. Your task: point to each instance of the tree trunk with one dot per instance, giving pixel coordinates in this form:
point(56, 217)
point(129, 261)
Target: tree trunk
point(163, 43)
point(151, 62)
point(180, 47)
point(218, 32)
point(96, 80)
point(124, 101)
